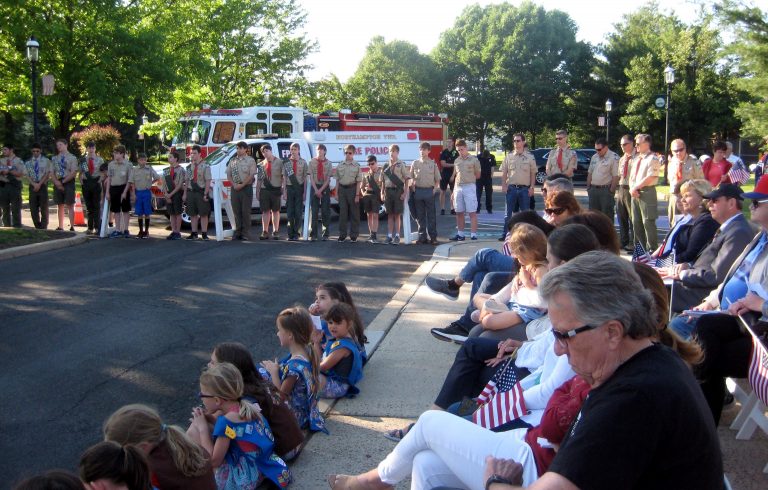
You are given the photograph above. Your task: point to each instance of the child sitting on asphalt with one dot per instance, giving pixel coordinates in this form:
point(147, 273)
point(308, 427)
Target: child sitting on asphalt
point(341, 367)
point(296, 375)
point(327, 295)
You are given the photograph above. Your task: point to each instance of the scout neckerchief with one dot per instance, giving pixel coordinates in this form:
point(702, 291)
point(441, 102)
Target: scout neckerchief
point(63, 166)
point(392, 177)
point(560, 159)
point(37, 169)
point(195, 185)
point(87, 166)
point(169, 180)
point(320, 175)
point(290, 171)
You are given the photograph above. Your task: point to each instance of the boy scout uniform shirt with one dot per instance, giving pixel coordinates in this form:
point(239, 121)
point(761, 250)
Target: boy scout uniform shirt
point(203, 175)
point(300, 172)
point(142, 177)
point(425, 173)
point(399, 170)
point(568, 161)
point(690, 169)
point(604, 169)
point(44, 166)
point(643, 166)
point(97, 163)
point(367, 187)
point(64, 165)
point(466, 169)
point(240, 167)
point(521, 167)
point(119, 173)
point(179, 177)
point(276, 178)
point(625, 164)
point(347, 173)
point(327, 170)
point(18, 166)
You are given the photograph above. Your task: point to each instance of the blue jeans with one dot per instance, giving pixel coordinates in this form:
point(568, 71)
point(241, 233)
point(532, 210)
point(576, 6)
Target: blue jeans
point(683, 326)
point(484, 261)
point(517, 200)
point(491, 284)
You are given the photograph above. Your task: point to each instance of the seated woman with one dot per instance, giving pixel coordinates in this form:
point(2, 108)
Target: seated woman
point(601, 226)
point(500, 315)
point(559, 206)
point(695, 229)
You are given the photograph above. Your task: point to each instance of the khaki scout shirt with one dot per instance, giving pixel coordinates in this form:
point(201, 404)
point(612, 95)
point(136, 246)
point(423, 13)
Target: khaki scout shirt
point(44, 167)
point(142, 177)
point(119, 173)
point(568, 161)
point(690, 170)
point(327, 171)
point(643, 166)
point(97, 163)
point(203, 176)
point(179, 177)
point(348, 173)
point(16, 165)
point(520, 168)
point(425, 173)
point(64, 165)
point(368, 180)
point(399, 170)
point(604, 169)
point(625, 164)
point(300, 172)
point(466, 169)
point(239, 169)
point(275, 176)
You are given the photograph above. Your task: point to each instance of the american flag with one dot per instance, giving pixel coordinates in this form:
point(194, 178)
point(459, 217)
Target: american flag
point(738, 175)
point(501, 400)
point(758, 368)
point(640, 255)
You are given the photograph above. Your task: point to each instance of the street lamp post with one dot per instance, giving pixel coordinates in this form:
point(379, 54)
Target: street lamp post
point(33, 54)
point(669, 79)
point(144, 121)
point(608, 109)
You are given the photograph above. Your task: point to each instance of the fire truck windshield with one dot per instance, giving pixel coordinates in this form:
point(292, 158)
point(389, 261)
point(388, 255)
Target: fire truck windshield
point(187, 128)
point(221, 154)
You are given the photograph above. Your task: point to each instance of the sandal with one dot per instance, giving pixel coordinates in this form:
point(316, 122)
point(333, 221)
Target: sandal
point(397, 434)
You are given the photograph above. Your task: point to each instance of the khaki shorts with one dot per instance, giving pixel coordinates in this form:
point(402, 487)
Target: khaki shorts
point(392, 201)
point(269, 200)
point(196, 205)
point(371, 203)
point(67, 196)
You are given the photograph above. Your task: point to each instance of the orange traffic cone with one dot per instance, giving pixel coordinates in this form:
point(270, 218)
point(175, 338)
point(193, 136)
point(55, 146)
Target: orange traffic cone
point(79, 216)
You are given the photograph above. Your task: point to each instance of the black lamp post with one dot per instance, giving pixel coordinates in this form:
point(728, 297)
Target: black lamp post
point(608, 109)
point(669, 79)
point(144, 121)
point(33, 54)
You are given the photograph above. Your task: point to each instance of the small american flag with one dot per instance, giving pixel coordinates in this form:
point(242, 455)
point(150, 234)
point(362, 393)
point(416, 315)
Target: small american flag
point(667, 261)
point(501, 400)
point(758, 368)
point(738, 175)
point(640, 255)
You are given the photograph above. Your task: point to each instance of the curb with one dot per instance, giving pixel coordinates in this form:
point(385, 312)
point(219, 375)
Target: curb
point(36, 248)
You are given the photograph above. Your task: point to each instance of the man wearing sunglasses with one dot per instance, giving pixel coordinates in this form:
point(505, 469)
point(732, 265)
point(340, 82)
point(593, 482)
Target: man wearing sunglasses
point(562, 159)
point(602, 178)
point(623, 197)
point(682, 167)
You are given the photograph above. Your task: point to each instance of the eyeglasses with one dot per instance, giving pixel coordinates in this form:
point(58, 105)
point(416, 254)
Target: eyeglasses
point(201, 395)
point(599, 149)
point(518, 141)
point(756, 204)
point(562, 337)
point(555, 211)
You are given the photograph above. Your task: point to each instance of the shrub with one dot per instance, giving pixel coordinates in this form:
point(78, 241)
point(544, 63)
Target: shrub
point(105, 138)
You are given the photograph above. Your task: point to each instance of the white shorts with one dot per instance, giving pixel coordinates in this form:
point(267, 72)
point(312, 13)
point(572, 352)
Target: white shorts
point(465, 198)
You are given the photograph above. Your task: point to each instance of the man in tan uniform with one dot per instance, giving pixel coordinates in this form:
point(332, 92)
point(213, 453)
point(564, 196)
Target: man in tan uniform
point(39, 171)
point(348, 178)
point(197, 193)
point(11, 172)
point(141, 180)
point(425, 179)
point(91, 181)
point(65, 170)
point(295, 175)
point(118, 176)
point(394, 192)
point(623, 198)
point(642, 186)
point(682, 167)
point(518, 178)
point(602, 179)
point(240, 172)
point(466, 171)
point(370, 190)
point(270, 189)
point(562, 159)
point(320, 170)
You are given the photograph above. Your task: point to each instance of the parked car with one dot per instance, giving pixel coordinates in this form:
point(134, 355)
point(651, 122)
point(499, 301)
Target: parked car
point(583, 157)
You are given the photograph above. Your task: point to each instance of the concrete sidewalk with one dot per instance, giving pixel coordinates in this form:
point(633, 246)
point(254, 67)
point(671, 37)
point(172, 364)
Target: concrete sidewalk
point(406, 370)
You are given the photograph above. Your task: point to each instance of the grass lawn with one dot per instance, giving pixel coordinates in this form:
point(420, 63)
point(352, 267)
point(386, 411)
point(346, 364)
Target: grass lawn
point(14, 237)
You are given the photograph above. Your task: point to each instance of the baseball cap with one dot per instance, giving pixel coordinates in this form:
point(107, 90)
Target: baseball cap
point(761, 190)
point(731, 191)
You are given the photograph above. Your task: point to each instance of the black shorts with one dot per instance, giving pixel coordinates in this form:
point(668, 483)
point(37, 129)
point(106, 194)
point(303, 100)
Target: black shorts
point(371, 203)
point(174, 205)
point(269, 200)
point(116, 203)
point(66, 196)
point(445, 178)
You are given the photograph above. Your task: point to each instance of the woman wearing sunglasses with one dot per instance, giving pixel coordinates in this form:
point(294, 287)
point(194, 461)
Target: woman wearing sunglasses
point(560, 206)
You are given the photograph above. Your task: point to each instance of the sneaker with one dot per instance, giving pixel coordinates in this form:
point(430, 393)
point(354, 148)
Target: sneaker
point(473, 237)
point(372, 238)
point(325, 238)
point(441, 286)
point(422, 241)
point(275, 236)
point(353, 239)
point(388, 241)
point(453, 332)
point(293, 239)
point(59, 229)
point(175, 236)
point(192, 236)
point(456, 238)
point(433, 241)
point(264, 236)
point(453, 211)
point(442, 212)
point(396, 240)
point(341, 238)
point(145, 235)
point(170, 237)
point(71, 228)
point(205, 236)
point(115, 234)
point(127, 234)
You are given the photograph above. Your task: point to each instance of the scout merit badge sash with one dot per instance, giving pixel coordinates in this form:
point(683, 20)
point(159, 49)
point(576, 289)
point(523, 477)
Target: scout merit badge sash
point(236, 178)
point(288, 167)
point(265, 179)
point(169, 184)
point(372, 184)
point(33, 168)
point(394, 178)
point(85, 167)
point(62, 167)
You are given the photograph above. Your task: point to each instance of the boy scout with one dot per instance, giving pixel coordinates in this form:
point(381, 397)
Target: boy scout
point(320, 170)
point(38, 170)
point(371, 192)
point(295, 175)
point(466, 170)
point(348, 178)
point(240, 172)
point(562, 159)
point(11, 171)
point(65, 170)
point(623, 198)
point(90, 179)
point(425, 178)
point(394, 193)
point(602, 178)
point(141, 180)
point(271, 189)
point(197, 193)
point(118, 176)
point(518, 178)
point(173, 190)
point(642, 186)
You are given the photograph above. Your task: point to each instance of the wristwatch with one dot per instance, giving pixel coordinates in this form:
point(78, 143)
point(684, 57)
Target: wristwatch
point(496, 479)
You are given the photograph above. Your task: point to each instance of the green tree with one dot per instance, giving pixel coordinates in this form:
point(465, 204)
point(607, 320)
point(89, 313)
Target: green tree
point(326, 94)
point(394, 77)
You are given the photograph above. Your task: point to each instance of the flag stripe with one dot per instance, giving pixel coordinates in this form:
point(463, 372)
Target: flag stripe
point(758, 369)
